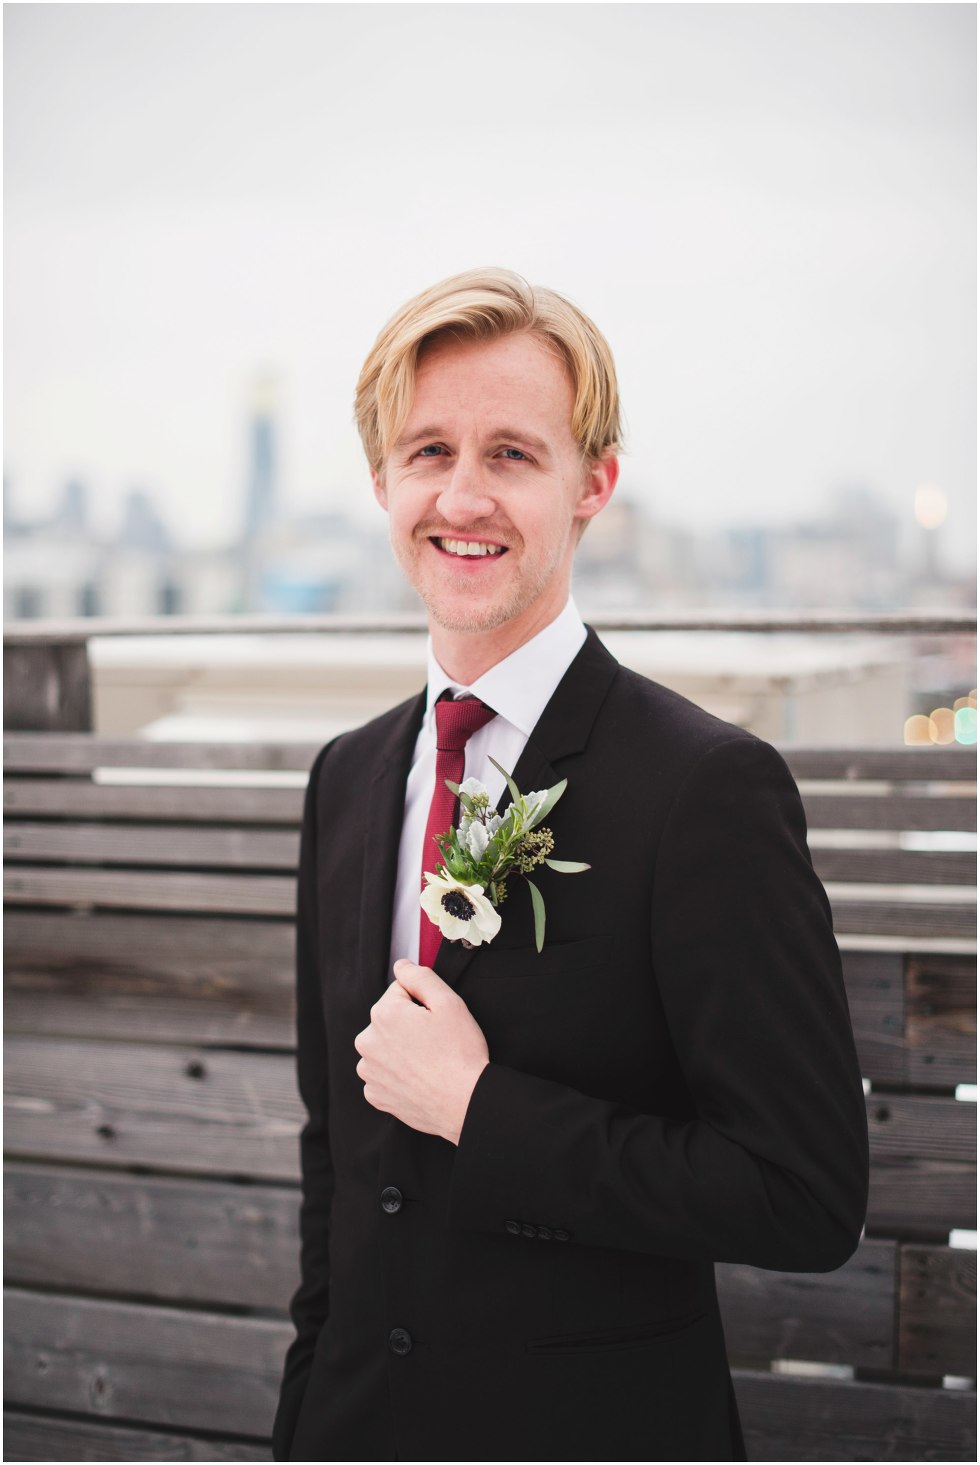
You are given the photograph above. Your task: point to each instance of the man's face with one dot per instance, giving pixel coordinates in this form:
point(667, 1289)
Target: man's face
point(486, 484)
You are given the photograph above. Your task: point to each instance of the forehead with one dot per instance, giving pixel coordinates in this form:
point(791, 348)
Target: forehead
point(473, 382)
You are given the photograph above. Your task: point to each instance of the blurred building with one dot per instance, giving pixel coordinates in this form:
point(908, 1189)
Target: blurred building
point(849, 555)
point(826, 690)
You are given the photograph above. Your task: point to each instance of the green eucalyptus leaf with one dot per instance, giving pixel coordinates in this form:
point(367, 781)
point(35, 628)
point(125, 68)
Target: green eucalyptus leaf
point(452, 787)
point(567, 867)
point(537, 904)
point(515, 792)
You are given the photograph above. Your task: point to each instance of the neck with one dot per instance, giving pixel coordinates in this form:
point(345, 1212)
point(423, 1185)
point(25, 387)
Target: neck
point(467, 655)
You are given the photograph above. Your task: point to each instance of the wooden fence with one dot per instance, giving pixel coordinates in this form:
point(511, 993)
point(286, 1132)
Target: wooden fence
point(151, 1190)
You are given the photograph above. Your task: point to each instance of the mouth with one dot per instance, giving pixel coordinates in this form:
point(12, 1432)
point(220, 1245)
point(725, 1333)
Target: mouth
point(468, 549)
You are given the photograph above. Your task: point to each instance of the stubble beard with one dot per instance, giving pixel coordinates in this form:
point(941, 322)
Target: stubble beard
point(457, 616)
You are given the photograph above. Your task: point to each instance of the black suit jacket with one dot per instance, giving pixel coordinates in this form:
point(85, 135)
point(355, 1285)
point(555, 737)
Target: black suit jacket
point(672, 1083)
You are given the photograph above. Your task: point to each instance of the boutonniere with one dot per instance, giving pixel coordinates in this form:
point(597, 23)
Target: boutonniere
point(480, 856)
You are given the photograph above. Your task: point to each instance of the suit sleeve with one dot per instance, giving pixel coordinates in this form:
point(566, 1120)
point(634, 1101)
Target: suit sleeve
point(773, 1168)
point(310, 1303)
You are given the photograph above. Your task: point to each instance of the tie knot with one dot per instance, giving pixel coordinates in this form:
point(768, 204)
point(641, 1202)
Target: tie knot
point(458, 721)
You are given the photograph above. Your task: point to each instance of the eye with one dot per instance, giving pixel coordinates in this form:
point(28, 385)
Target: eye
point(515, 455)
point(430, 450)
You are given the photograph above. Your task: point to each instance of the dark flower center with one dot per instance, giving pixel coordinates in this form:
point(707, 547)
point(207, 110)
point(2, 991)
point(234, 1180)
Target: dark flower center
point(458, 905)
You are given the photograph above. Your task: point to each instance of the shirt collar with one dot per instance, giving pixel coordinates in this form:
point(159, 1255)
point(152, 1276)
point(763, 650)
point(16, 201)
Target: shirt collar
point(520, 687)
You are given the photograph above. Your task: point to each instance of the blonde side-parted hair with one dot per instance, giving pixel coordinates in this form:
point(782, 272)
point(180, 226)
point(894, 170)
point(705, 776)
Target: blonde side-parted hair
point(481, 305)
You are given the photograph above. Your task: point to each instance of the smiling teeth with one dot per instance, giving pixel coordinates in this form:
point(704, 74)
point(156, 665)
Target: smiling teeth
point(468, 546)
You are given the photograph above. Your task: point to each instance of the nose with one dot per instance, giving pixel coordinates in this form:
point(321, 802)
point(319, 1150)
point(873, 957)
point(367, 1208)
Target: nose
point(465, 495)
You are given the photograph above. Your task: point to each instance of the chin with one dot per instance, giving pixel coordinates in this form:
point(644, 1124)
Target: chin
point(461, 617)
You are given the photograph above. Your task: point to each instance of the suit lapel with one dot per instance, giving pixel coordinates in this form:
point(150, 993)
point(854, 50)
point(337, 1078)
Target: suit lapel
point(382, 830)
point(562, 730)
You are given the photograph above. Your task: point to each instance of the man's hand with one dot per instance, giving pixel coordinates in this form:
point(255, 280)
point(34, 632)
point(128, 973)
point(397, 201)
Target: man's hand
point(421, 1063)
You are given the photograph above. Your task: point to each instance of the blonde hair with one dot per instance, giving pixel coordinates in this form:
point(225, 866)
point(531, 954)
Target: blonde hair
point(481, 305)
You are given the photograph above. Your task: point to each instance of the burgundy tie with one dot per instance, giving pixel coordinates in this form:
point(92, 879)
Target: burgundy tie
point(455, 723)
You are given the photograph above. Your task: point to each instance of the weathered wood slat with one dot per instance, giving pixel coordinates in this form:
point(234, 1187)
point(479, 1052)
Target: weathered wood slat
point(53, 752)
point(845, 1316)
point(246, 895)
point(162, 844)
point(923, 1169)
point(124, 975)
point(77, 798)
point(941, 1022)
point(921, 1199)
point(236, 1245)
point(268, 895)
point(876, 998)
point(937, 1319)
point(173, 1240)
point(895, 866)
point(912, 919)
point(81, 752)
point(237, 1114)
point(820, 1419)
point(69, 798)
point(160, 1365)
point(888, 811)
point(902, 1126)
point(46, 685)
point(890, 765)
point(257, 849)
point(121, 1104)
point(58, 1437)
point(110, 975)
point(118, 844)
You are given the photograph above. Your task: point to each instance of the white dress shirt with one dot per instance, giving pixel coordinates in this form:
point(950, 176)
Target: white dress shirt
point(518, 689)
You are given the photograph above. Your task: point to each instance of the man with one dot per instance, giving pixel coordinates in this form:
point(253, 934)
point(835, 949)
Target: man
point(519, 1168)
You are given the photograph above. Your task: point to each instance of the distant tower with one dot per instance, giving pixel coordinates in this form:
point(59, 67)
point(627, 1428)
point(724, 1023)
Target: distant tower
point(72, 513)
point(260, 505)
point(142, 528)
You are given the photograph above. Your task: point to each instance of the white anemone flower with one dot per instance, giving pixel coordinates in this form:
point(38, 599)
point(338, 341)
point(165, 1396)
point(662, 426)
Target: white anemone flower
point(472, 788)
point(462, 912)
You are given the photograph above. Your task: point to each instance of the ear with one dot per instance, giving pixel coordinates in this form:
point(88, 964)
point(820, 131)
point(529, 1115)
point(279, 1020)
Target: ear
point(380, 492)
point(600, 480)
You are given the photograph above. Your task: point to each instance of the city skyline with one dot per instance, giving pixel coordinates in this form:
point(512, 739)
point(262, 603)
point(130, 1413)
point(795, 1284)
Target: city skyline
point(768, 210)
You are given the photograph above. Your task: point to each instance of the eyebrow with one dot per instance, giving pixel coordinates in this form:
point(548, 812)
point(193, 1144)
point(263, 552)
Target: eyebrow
point(499, 434)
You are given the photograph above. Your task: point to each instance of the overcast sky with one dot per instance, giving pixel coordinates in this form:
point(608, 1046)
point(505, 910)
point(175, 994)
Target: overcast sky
point(768, 209)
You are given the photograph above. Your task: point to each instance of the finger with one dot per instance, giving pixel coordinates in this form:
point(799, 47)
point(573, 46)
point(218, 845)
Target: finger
point(420, 982)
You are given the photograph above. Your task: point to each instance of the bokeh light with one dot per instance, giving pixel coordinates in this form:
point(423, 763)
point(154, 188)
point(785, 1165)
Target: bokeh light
point(917, 730)
point(941, 725)
point(931, 505)
point(965, 725)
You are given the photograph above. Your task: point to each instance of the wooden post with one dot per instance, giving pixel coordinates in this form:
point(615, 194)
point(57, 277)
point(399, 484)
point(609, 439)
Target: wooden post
point(47, 686)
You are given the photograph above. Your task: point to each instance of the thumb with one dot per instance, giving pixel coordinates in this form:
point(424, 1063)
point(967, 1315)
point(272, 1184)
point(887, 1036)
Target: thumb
point(419, 982)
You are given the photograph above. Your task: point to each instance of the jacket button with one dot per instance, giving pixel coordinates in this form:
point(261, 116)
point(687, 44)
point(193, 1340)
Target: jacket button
point(561, 1235)
point(529, 1231)
point(544, 1233)
point(400, 1341)
point(514, 1227)
point(391, 1199)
